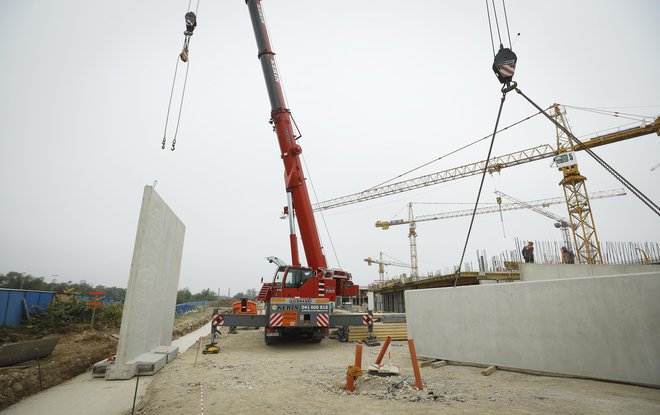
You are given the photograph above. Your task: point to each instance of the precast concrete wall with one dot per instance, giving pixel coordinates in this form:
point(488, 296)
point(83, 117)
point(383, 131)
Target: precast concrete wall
point(604, 327)
point(148, 318)
point(540, 272)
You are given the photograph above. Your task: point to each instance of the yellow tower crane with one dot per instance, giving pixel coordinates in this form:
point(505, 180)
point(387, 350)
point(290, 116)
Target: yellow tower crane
point(495, 164)
point(585, 237)
point(517, 204)
point(381, 266)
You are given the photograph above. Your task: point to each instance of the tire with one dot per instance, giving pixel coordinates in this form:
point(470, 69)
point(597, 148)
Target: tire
point(316, 336)
point(269, 340)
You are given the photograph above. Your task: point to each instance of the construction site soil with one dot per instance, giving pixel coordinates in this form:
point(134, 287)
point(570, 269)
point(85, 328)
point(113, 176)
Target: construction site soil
point(297, 378)
point(78, 349)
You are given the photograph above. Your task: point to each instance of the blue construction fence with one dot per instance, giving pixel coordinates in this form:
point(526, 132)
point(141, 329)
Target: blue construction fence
point(188, 307)
point(13, 304)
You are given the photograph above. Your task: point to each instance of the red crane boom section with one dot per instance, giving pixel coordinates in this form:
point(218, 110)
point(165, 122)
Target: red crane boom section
point(294, 177)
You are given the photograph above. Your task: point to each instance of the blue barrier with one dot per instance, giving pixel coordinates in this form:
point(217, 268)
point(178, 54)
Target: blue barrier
point(14, 302)
point(188, 307)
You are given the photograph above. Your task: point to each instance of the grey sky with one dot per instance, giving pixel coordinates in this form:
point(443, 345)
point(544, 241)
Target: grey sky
point(377, 87)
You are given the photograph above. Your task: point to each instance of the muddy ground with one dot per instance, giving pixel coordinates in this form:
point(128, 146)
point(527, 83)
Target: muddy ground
point(77, 351)
point(303, 378)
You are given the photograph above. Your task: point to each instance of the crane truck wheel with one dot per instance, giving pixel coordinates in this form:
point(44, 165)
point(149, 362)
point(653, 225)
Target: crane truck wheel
point(317, 336)
point(269, 340)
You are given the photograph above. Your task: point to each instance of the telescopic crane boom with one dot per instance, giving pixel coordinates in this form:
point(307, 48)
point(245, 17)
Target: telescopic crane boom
point(299, 205)
point(300, 299)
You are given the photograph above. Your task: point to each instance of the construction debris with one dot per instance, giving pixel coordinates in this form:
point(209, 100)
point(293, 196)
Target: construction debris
point(487, 371)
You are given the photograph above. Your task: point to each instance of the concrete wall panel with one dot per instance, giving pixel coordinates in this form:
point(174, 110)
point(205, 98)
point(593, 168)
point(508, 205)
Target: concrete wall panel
point(540, 272)
point(154, 278)
point(598, 327)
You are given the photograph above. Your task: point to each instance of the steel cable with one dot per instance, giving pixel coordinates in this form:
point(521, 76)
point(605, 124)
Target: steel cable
point(481, 185)
point(641, 196)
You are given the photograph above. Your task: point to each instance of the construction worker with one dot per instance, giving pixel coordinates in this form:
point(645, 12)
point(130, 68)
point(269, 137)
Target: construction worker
point(528, 252)
point(567, 256)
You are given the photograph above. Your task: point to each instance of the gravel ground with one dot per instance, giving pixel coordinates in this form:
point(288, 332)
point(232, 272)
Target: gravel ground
point(304, 378)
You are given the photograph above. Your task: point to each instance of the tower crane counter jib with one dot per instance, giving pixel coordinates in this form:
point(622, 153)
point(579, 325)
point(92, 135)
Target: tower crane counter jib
point(300, 299)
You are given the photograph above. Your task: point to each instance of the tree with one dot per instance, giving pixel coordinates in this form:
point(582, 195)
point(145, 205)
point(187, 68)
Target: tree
point(21, 280)
point(205, 295)
point(251, 293)
point(183, 296)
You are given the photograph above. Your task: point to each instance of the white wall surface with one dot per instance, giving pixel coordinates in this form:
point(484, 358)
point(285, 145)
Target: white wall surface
point(154, 278)
point(598, 327)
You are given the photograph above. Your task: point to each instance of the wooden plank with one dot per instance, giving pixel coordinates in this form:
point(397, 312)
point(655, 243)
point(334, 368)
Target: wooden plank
point(487, 371)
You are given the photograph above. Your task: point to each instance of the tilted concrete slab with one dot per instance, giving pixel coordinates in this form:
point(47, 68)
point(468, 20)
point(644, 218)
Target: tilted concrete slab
point(596, 327)
point(151, 295)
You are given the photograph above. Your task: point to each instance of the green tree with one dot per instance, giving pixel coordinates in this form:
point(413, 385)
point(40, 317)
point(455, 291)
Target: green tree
point(183, 296)
point(22, 280)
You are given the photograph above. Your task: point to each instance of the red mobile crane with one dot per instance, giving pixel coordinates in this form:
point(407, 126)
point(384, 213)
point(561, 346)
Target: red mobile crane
point(300, 299)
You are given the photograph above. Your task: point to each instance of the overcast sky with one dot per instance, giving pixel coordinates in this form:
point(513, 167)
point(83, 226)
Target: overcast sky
point(377, 88)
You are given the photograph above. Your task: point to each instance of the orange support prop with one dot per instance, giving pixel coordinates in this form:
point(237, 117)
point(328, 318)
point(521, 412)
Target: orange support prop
point(350, 382)
point(415, 364)
point(353, 372)
point(383, 350)
point(358, 355)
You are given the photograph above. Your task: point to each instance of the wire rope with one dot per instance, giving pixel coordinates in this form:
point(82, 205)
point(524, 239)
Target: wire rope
point(497, 23)
point(453, 152)
point(325, 224)
point(490, 28)
point(506, 19)
point(481, 185)
point(169, 105)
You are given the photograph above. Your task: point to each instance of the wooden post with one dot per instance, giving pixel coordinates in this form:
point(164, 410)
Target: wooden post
point(388, 340)
point(415, 364)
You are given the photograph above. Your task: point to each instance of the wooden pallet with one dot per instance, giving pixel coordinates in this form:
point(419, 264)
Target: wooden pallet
point(397, 331)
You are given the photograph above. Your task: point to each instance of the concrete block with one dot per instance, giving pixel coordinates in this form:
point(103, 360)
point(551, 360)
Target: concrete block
point(595, 327)
point(169, 351)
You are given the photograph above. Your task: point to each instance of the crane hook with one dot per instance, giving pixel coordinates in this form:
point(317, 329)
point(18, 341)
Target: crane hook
point(504, 67)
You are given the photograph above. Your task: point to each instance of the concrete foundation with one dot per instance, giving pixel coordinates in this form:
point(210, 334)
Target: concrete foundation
point(605, 327)
point(145, 336)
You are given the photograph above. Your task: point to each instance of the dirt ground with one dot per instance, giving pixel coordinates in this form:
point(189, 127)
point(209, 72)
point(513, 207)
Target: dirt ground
point(76, 352)
point(303, 378)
